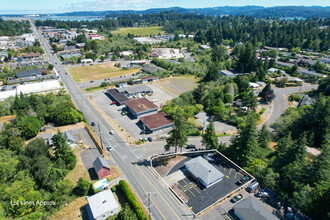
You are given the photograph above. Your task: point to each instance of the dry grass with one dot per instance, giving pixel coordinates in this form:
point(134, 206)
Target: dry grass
point(141, 31)
point(177, 85)
point(96, 72)
point(79, 170)
point(115, 173)
point(72, 210)
point(7, 118)
point(164, 164)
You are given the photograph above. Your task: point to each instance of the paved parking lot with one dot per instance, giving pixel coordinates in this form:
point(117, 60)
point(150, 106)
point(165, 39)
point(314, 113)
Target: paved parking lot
point(198, 197)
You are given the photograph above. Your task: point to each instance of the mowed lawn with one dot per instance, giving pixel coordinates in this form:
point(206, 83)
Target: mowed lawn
point(178, 85)
point(142, 31)
point(101, 71)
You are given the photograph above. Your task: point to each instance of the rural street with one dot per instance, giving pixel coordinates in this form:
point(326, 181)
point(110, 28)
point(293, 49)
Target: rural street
point(279, 104)
point(164, 205)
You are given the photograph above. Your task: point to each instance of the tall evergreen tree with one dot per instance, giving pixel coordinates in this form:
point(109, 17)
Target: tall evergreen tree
point(264, 136)
point(178, 135)
point(210, 139)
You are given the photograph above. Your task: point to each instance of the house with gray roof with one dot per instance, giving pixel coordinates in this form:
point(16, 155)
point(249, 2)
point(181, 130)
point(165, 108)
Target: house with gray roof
point(306, 100)
point(47, 137)
point(102, 205)
point(29, 73)
point(203, 171)
point(70, 137)
point(101, 167)
point(251, 209)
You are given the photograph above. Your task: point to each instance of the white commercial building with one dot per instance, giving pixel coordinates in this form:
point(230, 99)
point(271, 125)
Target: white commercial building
point(166, 53)
point(39, 87)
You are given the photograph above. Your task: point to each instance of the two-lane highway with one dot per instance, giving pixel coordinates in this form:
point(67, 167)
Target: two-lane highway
point(163, 205)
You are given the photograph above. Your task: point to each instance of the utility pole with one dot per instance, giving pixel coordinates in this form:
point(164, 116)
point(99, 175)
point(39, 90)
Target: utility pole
point(148, 201)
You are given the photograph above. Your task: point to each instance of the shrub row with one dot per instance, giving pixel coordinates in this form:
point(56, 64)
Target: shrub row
point(125, 189)
point(262, 111)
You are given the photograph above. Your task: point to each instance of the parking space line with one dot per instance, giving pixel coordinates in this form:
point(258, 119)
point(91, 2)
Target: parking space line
point(188, 188)
point(183, 191)
point(235, 175)
point(230, 170)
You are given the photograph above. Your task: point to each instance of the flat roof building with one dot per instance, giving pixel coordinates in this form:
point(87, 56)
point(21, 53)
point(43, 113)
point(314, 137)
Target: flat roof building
point(141, 107)
point(157, 122)
point(203, 171)
point(102, 205)
point(119, 97)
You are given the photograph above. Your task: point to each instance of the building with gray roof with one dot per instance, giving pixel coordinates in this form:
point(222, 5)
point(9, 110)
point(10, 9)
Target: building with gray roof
point(31, 72)
point(250, 209)
point(101, 167)
point(203, 171)
point(134, 90)
point(70, 137)
point(102, 205)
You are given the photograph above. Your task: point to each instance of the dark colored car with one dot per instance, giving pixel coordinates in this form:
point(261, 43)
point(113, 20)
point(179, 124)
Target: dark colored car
point(242, 181)
point(91, 81)
point(191, 146)
point(93, 123)
point(150, 139)
point(236, 198)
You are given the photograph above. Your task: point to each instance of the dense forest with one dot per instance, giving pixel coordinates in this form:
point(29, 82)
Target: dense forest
point(257, 11)
point(31, 171)
point(306, 34)
point(12, 28)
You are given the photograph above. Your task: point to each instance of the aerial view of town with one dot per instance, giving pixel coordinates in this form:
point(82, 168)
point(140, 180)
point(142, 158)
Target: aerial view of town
point(165, 110)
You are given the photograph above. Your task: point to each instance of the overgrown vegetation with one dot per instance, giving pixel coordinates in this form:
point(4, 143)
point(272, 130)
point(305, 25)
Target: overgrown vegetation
point(12, 28)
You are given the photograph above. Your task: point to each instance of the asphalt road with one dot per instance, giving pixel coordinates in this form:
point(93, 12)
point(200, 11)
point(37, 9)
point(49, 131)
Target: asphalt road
point(163, 203)
point(280, 104)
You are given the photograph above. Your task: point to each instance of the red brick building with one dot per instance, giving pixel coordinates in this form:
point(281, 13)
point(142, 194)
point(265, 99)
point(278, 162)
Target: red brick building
point(101, 167)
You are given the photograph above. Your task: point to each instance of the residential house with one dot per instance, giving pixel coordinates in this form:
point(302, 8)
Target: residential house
point(141, 107)
point(31, 55)
point(47, 137)
point(71, 49)
point(204, 47)
point(70, 137)
point(101, 167)
point(125, 54)
point(80, 45)
point(251, 209)
point(102, 205)
point(308, 72)
point(306, 100)
point(272, 70)
point(95, 37)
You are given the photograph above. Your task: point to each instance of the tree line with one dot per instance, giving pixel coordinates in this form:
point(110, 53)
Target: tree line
point(13, 28)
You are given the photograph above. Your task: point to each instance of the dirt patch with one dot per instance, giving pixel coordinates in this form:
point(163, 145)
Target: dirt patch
point(178, 192)
point(164, 164)
point(96, 72)
point(272, 146)
point(79, 170)
point(118, 129)
point(7, 118)
point(72, 210)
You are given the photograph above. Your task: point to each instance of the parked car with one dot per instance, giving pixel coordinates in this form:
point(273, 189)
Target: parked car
point(91, 81)
point(4, 88)
point(252, 187)
point(242, 180)
point(262, 194)
point(93, 123)
point(111, 132)
point(150, 139)
point(236, 198)
point(191, 146)
point(109, 148)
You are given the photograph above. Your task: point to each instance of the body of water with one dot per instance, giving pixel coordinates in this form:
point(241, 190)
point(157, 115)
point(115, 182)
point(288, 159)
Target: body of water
point(60, 18)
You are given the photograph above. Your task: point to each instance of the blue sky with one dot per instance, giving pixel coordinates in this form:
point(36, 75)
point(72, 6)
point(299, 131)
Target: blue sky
point(48, 6)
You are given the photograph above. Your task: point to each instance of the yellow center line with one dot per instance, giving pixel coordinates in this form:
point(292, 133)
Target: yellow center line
point(189, 189)
point(183, 191)
point(150, 199)
point(157, 191)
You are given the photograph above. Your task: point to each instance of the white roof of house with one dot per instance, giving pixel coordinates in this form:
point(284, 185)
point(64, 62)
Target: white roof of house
point(254, 85)
point(32, 88)
point(102, 202)
point(202, 169)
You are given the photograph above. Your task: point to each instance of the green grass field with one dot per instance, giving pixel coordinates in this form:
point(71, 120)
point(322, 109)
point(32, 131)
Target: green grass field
point(142, 31)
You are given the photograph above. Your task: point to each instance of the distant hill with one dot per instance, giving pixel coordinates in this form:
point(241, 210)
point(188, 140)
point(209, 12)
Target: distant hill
point(257, 11)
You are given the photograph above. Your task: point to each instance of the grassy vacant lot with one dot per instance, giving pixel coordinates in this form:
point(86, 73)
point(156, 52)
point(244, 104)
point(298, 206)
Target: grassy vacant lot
point(178, 85)
point(101, 71)
point(142, 31)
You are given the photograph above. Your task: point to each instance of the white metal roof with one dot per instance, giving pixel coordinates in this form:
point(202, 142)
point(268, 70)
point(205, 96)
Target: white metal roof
point(102, 202)
point(32, 88)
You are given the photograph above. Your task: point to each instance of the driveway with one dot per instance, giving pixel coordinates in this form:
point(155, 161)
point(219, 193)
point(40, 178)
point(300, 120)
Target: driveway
point(279, 104)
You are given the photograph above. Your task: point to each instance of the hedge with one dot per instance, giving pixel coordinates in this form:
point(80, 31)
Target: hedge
point(262, 111)
point(125, 189)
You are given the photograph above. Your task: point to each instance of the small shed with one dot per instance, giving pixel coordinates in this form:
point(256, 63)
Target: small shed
point(102, 205)
point(101, 167)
